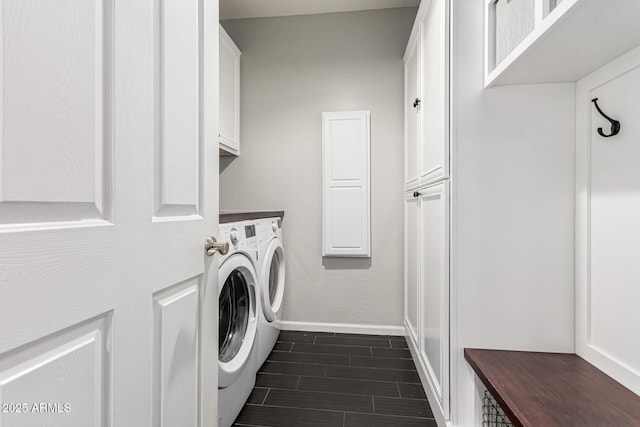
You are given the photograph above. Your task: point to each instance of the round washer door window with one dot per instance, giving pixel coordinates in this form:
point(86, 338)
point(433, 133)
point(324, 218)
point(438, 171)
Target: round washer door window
point(233, 317)
point(274, 277)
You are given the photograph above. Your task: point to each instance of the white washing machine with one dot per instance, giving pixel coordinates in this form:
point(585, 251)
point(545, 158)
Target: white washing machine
point(238, 319)
point(271, 282)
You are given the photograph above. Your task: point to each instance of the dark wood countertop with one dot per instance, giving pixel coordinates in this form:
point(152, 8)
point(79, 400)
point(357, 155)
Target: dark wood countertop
point(226, 217)
point(553, 389)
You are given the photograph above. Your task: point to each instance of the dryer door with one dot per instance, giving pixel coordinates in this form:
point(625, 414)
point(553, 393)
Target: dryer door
point(237, 317)
point(272, 275)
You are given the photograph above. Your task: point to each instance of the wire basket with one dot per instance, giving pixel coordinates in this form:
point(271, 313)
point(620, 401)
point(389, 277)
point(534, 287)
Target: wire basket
point(492, 414)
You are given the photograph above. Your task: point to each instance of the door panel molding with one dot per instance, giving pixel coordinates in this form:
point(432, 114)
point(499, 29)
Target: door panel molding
point(176, 348)
point(71, 371)
point(178, 135)
point(56, 167)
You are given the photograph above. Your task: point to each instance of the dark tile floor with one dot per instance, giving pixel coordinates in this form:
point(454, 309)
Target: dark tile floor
point(324, 379)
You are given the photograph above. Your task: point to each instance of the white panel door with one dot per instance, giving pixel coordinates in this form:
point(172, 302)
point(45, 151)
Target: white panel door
point(434, 69)
point(345, 182)
point(411, 296)
point(108, 190)
point(608, 228)
point(411, 114)
point(434, 287)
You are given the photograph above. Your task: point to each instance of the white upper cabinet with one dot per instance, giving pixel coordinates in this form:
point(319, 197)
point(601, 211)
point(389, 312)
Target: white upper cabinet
point(434, 70)
point(550, 41)
point(427, 97)
point(411, 109)
point(229, 95)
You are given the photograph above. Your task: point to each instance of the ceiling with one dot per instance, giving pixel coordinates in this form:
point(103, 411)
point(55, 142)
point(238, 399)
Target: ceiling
point(239, 9)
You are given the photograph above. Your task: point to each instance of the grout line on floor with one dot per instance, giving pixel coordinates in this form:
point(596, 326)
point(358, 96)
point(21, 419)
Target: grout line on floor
point(362, 379)
point(342, 354)
point(338, 365)
point(313, 409)
point(264, 399)
point(298, 383)
point(411, 417)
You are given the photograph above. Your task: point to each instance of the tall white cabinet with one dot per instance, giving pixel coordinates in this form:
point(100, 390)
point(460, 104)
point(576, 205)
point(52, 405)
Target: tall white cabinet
point(427, 230)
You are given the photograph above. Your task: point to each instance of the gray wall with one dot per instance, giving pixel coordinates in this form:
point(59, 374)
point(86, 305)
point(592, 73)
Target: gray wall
point(293, 69)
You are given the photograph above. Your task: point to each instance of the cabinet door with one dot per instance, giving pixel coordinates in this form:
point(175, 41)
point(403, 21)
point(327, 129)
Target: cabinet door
point(229, 95)
point(346, 217)
point(434, 284)
point(411, 265)
point(411, 109)
point(434, 123)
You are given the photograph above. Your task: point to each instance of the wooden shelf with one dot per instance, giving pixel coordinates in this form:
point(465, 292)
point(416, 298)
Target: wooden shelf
point(553, 389)
point(226, 217)
point(574, 39)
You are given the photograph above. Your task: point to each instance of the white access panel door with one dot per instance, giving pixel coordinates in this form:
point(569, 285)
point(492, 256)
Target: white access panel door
point(108, 190)
point(345, 180)
point(434, 286)
point(434, 77)
point(411, 113)
point(608, 225)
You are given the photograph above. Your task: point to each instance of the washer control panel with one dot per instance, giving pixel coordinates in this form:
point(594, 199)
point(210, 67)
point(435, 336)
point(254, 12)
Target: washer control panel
point(239, 235)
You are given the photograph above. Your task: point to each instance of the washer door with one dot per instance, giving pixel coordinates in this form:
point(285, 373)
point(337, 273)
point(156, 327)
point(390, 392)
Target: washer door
point(236, 318)
point(272, 276)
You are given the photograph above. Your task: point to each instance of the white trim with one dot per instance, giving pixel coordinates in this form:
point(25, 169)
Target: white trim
point(342, 328)
point(454, 344)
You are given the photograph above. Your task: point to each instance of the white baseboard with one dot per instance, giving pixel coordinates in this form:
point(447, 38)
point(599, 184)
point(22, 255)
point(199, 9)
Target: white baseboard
point(342, 328)
point(426, 384)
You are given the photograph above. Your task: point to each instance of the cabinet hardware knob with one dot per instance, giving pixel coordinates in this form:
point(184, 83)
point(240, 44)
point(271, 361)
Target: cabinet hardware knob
point(416, 194)
point(416, 103)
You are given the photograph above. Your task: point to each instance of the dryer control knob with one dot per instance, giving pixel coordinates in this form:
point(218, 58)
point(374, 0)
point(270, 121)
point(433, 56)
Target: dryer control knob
point(233, 235)
point(274, 226)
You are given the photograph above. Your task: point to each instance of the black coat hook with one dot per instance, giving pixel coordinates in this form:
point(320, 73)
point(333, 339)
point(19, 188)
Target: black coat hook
point(615, 125)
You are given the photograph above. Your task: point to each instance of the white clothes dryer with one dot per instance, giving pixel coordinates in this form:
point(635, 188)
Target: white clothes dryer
point(238, 301)
point(271, 283)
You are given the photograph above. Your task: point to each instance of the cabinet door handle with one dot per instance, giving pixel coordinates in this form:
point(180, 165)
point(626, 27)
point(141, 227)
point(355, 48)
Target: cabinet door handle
point(416, 103)
point(416, 194)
